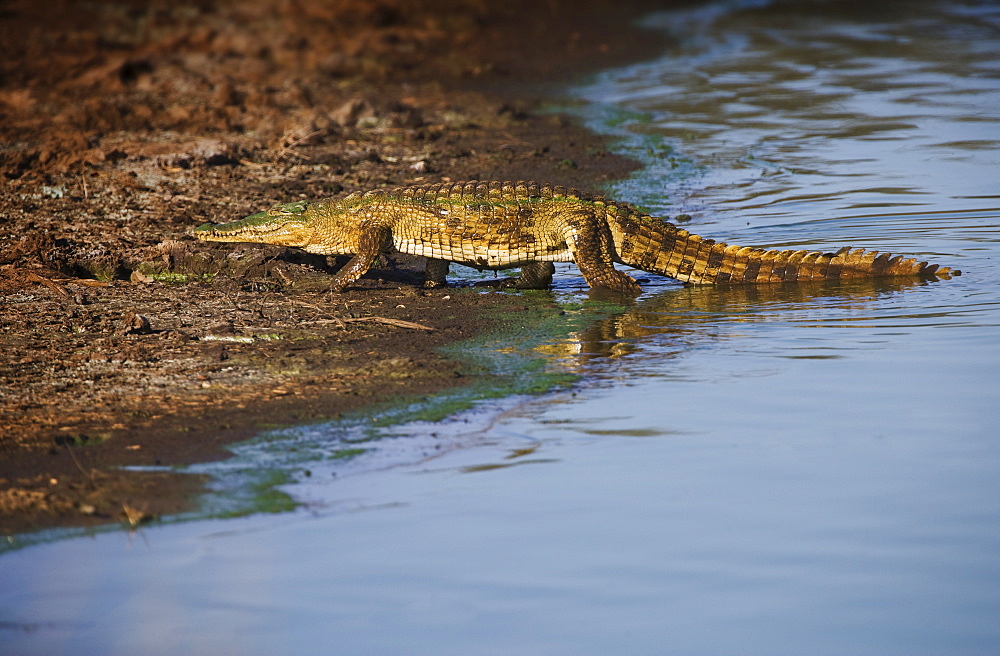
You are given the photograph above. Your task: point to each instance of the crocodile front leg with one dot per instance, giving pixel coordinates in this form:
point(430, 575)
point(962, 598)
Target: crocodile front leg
point(590, 243)
point(370, 244)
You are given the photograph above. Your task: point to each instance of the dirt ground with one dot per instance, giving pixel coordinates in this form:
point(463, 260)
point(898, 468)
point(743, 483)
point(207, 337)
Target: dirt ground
point(124, 123)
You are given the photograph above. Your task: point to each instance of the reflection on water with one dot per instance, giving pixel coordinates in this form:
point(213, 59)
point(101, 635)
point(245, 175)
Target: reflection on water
point(784, 469)
point(672, 321)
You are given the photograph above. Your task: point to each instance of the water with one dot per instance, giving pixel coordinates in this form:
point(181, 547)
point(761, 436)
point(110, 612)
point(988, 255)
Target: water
point(820, 108)
point(810, 469)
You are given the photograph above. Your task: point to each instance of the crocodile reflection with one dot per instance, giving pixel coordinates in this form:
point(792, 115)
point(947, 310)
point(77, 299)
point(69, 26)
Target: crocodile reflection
point(679, 318)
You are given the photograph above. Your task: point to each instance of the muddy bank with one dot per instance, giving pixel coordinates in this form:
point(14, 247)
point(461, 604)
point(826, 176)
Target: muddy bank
point(123, 341)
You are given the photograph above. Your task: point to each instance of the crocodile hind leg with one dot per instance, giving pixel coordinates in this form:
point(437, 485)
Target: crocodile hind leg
point(436, 273)
point(534, 275)
point(590, 245)
point(370, 244)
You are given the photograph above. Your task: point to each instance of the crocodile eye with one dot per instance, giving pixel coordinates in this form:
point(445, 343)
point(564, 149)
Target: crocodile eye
point(295, 208)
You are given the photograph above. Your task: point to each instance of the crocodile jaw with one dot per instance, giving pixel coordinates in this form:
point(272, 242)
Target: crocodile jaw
point(261, 228)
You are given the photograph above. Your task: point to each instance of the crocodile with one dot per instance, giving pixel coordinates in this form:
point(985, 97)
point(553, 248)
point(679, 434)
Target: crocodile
point(501, 225)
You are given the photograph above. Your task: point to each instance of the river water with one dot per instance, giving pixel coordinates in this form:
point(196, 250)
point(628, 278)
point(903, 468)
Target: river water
point(803, 469)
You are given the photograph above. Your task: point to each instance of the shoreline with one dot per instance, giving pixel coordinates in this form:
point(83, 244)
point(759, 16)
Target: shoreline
point(125, 342)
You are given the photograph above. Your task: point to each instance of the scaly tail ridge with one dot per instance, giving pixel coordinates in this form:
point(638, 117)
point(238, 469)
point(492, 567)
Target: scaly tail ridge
point(671, 251)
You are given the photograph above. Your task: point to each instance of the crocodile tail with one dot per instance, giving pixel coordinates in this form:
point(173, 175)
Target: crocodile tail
point(670, 251)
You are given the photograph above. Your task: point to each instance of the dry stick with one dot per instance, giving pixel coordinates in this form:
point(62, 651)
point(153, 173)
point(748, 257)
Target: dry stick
point(395, 322)
point(511, 139)
point(86, 282)
point(90, 474)
point(53, 283)
point(281, 274)
point(333, 319)
point(298, 142)
point(59, 289)
point(399, 323)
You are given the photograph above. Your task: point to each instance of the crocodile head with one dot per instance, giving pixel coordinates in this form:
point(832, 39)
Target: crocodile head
point(288, 224)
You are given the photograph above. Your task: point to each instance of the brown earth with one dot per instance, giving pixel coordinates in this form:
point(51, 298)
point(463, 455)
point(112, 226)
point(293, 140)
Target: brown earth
point(123, 341)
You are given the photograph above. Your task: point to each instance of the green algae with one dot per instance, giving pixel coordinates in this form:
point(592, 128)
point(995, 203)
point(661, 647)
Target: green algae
point(346, 454)
point(259, 494)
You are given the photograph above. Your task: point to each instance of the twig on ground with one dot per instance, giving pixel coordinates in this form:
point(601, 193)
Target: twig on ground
point(399, 323)
point(59, 289)
point(288, 148)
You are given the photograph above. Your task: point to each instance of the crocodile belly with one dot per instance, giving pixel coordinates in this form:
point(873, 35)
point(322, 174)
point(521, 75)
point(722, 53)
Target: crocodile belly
point(493, 254)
